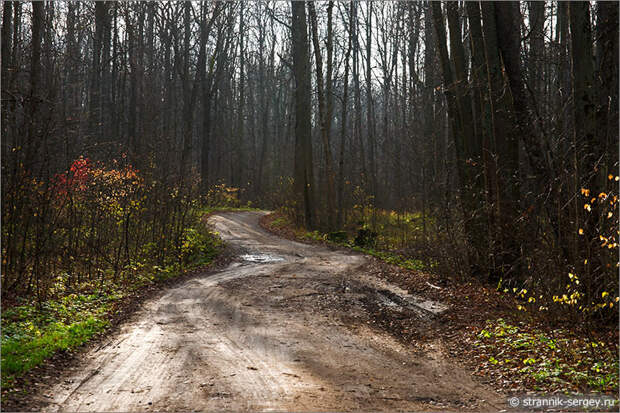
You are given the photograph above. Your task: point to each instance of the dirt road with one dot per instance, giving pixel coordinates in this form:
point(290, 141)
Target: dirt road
point(284, 327)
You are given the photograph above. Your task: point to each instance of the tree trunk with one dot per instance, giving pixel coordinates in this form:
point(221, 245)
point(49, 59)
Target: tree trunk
point(358, 98)
point(240, 177)
point(467, 149)
point(323, 116)
point(504, 253)
point(483, 126)
point(587, 146)
point(369, 105)
point(7, 16)
point(607, 87)
point(304, 179)
point(345, 96)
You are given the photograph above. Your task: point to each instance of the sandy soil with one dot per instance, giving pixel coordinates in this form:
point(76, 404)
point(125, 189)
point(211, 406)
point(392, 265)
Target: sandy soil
point(286, 326)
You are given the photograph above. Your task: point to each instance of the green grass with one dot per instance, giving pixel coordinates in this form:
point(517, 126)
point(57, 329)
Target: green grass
point(389, 257)
point(32, 333)
point(558, 362)
point(212, 209)
point(395, 230)
point(393, 258)
point(280, 222)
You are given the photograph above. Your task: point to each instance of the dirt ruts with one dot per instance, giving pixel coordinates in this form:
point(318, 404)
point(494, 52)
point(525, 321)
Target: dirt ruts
point(286, 326)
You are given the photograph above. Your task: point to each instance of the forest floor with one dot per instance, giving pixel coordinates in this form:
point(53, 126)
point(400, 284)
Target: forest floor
point(284, 326)
point(515, 351)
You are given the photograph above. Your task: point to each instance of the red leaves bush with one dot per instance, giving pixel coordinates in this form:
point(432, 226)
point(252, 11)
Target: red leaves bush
point(87, 227)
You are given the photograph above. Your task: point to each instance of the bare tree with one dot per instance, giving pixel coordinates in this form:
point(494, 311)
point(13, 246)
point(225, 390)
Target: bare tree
point(304, 175)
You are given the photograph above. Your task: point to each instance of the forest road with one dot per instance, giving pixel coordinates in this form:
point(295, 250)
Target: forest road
point(281, 328)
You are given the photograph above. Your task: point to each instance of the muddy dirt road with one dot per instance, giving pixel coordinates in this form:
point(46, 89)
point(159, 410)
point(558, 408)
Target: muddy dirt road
point(284, 327)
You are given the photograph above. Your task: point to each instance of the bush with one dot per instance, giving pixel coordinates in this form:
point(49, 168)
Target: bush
point(93, 225)
point(339, 237)
point(366, 238)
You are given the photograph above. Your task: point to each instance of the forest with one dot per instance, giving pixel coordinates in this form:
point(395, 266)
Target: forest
point(475, 141)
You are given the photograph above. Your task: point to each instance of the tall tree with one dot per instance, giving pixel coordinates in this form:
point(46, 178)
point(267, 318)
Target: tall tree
point(607, 85)
point(324, 113)
point(7, 16)
point(304, 176)
point(505, 137)
point(101, 50)
point(343, 121)
point(468, 147)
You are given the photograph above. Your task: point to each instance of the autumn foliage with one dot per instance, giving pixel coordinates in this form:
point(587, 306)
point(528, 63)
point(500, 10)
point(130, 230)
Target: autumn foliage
point(93, 225)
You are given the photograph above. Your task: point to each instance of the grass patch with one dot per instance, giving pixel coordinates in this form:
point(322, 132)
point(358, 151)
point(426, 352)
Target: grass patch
point(393, 258)
point(547, 361)
point(33, 332)
point(341, 238)
point(213, 209)
point(282, 223)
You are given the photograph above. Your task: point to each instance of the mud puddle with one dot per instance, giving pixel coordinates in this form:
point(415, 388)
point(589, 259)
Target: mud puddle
point(260, 258)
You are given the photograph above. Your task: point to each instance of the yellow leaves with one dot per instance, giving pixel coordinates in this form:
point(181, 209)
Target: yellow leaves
point(587, 207)
point(610, 177)
point(573, 278)
point(585, 192)
point(604, 294)
point(602, 195)
point(580, 231)
point(531, 300)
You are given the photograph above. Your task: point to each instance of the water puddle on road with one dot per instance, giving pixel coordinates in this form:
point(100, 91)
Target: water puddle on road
point(261, 258)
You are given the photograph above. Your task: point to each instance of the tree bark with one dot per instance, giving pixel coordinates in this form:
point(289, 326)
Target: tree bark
point(324, 117)
point(345, 101)
point(304, 179)
point(607, 87)
point(504, 252)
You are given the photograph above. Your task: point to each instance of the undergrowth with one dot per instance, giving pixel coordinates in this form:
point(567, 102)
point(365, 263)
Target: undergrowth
point(34, 331)
point(547, 360)
point(345, 239)
point(532, 357)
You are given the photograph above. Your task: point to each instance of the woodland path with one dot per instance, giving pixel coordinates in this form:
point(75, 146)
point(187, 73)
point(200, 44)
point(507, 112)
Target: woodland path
point(281, 328)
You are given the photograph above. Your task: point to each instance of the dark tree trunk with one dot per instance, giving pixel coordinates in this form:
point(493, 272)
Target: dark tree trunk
point(304, 178)
point(324, 117)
